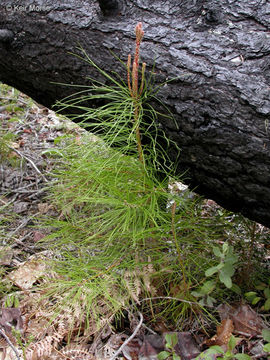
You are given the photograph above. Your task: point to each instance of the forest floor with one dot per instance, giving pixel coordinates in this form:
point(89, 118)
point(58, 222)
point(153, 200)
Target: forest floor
point(29, 153)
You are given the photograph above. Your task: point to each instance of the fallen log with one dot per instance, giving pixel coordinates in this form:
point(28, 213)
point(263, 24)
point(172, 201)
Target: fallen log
point(219, 51)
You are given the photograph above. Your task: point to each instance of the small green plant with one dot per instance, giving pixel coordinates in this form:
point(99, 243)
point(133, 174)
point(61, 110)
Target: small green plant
point(221, 354)
point(204, 293)
point(266, 337)
point(263, 295)
point(170, 342)
point(226, 267)
point(224, 271)
point(12, 300)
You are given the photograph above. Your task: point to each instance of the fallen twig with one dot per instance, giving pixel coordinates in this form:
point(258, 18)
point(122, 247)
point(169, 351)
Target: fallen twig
point(149, 329)
point(30, 161)
point(22, 225)
point(128, 339)
point(7, 203)
point(10, 344)
point(3, 108)
point(170, 298)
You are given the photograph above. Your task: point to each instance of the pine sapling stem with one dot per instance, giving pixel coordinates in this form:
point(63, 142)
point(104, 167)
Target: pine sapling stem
point(178, 248)
point(134, 90)
point(251, 248)
point(138, 135)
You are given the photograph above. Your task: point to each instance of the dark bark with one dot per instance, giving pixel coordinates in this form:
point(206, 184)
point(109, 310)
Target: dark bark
point(219, 49)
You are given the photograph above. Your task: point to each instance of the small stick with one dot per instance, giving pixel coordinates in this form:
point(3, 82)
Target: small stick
point(10, 344)
point(3, 108)
point(128, 339)
point(24, 187)
point(149, 329)
point(36, 193)
point(24, 223)
point(170, 298)
point(181, 262)
point(7, 203)
point(30, 161)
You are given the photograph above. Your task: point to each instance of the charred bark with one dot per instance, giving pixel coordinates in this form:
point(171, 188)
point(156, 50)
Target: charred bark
point(218, 50)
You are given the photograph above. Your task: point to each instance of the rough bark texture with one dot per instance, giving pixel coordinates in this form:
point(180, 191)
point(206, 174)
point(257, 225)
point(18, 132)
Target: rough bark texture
point(219, 49)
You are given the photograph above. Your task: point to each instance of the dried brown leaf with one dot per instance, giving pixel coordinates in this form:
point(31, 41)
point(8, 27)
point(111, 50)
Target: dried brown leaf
point(11, 317)
point(43, 208)
point(224, 332)
point(151, 347)
point(246, 321)
point(186, 346)
point(28, 273)
point(38, 235)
